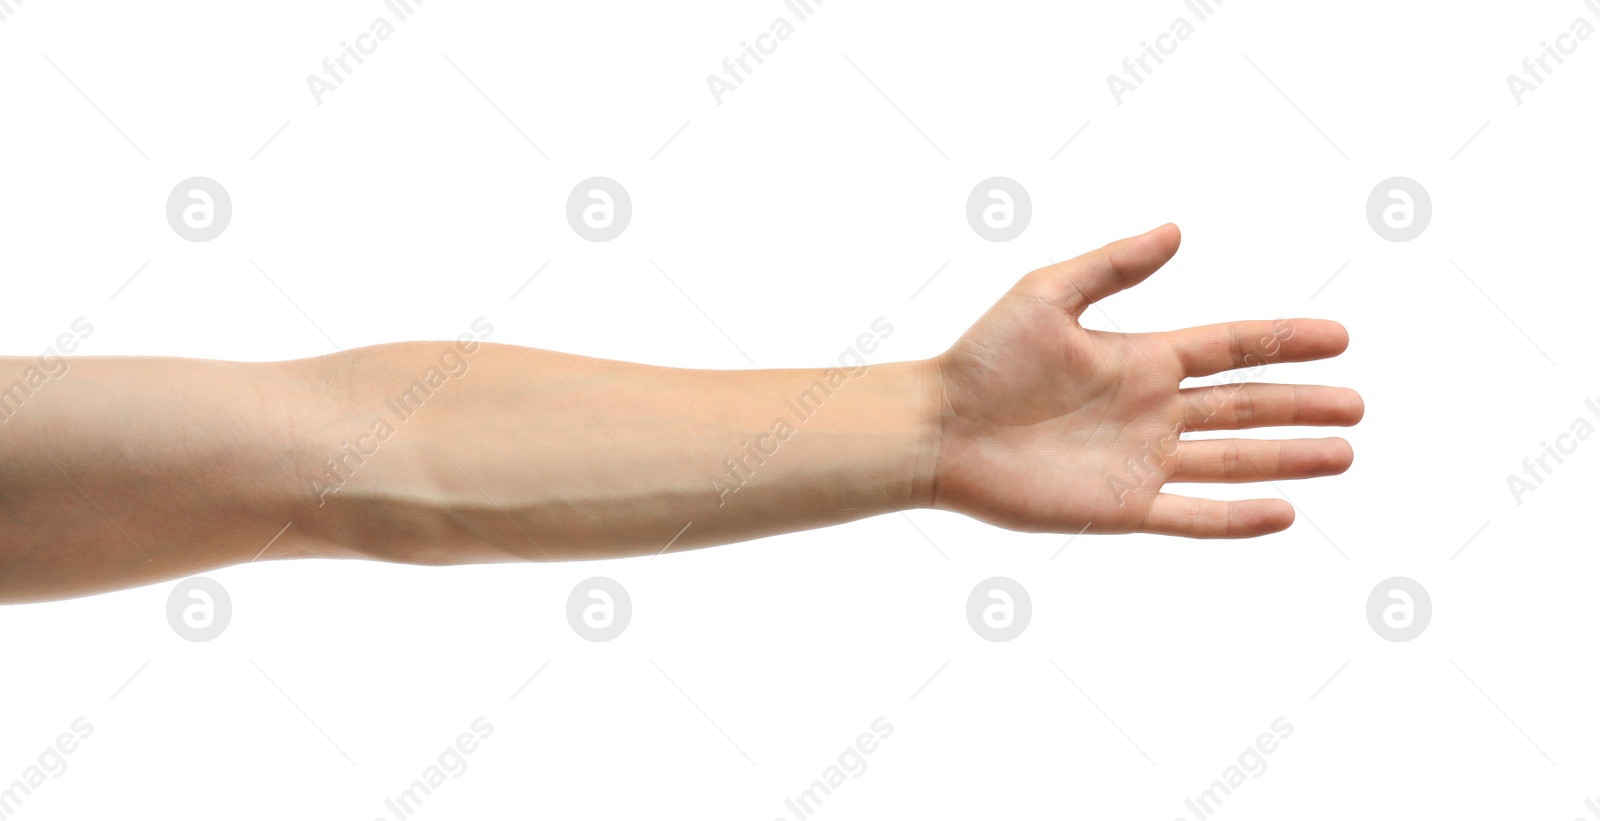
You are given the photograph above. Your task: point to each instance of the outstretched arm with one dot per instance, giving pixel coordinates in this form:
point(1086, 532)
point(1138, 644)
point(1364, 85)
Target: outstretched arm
point(123, 471)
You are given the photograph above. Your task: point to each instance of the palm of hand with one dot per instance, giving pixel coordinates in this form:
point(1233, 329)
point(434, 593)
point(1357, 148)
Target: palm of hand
point(1048, 426)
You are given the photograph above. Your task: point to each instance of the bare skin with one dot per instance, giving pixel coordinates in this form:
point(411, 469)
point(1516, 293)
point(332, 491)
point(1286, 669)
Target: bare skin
point(122, 471)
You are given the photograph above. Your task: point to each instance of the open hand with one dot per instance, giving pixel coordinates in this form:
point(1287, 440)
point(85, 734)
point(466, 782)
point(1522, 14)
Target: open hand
point(1048, 426)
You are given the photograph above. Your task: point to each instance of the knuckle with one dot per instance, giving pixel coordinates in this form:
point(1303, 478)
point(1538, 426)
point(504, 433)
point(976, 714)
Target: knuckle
point(1244, 407)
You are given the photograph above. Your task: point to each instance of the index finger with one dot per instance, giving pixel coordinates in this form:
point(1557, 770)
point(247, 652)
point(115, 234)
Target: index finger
point(1211, 349)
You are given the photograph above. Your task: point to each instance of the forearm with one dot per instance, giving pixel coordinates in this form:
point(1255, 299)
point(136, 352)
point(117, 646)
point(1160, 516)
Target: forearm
point(439, 453)
point(527, 454)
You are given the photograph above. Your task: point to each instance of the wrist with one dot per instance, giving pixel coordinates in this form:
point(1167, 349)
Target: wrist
point(928, 424)
point(885, 435)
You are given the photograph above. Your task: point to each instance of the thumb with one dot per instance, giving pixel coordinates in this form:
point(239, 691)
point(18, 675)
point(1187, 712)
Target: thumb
point(1079, 282)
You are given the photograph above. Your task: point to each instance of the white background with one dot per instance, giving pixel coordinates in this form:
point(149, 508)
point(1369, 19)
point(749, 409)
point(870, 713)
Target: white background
point(794, 213)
